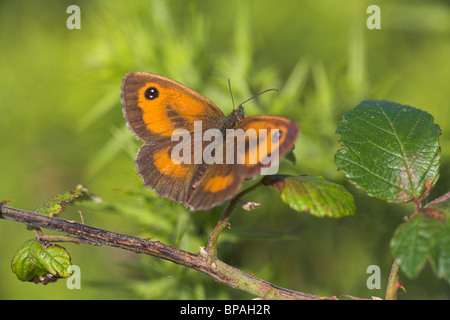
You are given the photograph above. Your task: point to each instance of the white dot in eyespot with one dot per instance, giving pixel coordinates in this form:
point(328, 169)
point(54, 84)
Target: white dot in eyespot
point(276, 137)
point(151, 93)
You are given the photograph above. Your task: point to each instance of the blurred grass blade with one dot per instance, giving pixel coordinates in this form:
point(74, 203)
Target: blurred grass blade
point(357, 64)
point(314, 195)
point(324, 90)
point(390, 150)
point(121, 140)
point(292, 89)
point(97, 111)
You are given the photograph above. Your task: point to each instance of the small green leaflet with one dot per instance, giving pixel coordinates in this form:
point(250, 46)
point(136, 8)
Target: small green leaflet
point(41, 263)
point(313, 195)
point(389, 150)
point(424, 238)
point(55, 205)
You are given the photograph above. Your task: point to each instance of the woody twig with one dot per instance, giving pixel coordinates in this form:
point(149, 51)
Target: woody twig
point(219, 271)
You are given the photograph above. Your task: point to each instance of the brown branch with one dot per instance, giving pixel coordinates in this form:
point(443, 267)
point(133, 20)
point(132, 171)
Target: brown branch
point(217, 269)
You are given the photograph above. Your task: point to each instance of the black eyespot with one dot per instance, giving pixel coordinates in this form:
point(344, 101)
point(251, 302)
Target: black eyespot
point(151, 93)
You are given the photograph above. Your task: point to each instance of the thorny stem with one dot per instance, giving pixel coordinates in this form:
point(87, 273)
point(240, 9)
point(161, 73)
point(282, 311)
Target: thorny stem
point(219, 271)
point(211, 248)
point(392, 287)
point(440, 199)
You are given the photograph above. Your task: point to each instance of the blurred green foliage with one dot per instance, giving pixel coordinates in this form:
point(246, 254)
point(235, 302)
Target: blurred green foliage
point(61, 124)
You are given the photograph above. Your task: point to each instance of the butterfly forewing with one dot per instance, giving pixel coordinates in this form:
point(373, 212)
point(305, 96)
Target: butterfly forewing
point(154, 106)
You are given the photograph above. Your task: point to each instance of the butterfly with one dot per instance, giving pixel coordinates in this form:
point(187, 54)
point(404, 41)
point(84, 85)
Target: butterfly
point(179, 159)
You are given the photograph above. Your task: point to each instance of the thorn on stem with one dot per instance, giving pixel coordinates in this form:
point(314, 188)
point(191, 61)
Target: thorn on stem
point(399, 286)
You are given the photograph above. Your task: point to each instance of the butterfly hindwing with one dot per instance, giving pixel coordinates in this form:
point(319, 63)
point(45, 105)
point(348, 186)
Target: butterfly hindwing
point(273, 136)
point(218, 183)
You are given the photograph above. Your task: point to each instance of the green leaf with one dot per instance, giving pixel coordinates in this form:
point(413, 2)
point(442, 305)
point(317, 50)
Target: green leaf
point(21, 263)
point(440, 253)
point(314, 195)
point(290, 156)
point(390, 150)
point(410, 245)
point(419, 239)
point(55, 205)
point(41, 263)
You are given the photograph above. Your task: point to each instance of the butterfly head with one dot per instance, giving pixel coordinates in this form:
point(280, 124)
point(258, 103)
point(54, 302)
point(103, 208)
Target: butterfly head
point(235, 116)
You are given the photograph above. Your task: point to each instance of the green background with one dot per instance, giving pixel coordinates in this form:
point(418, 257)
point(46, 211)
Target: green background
point(61, 124)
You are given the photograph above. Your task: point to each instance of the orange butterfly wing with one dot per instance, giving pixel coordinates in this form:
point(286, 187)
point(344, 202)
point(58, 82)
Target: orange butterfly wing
point(175, 106)
point(220, 182)
point(154, 106)
point(275, 136)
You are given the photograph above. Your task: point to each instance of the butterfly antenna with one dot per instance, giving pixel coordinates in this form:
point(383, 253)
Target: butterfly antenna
point(267, 90)
point(231, 93)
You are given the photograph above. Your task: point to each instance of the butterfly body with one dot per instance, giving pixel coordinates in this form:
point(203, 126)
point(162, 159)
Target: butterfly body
point(165, 115)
